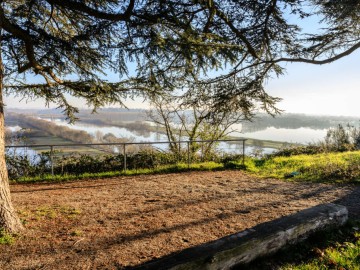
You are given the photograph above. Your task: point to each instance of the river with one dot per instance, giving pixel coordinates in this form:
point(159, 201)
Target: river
point(302, 135)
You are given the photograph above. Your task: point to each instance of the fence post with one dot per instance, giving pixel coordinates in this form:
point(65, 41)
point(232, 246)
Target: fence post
point(188, 154)
point(124, 158)
point(202, 151)
point(243, 157)
point(179, 151)
point(52, 160)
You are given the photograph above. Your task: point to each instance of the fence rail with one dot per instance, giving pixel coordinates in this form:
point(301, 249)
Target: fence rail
point(124, 145)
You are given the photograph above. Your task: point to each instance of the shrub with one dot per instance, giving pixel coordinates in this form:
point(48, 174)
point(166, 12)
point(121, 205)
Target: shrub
point(310, 149)
point(338, 139)
point(77, 164)
point(20, 166)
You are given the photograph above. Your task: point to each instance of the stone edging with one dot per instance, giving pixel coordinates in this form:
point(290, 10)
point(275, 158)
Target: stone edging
point(245, 246)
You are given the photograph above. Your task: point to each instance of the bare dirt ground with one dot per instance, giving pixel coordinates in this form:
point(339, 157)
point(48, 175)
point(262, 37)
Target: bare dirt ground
point(125, 221)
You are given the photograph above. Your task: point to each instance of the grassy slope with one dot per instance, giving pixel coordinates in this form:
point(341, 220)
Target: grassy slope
point(328, 167)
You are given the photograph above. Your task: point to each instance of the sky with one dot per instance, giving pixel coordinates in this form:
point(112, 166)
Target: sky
point(331, 89)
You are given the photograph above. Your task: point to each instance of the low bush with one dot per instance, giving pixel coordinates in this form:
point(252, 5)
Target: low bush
point(19, 166)
point(310, 149)
point(338, 139)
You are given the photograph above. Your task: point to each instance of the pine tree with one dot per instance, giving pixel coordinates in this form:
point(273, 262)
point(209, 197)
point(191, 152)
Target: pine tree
point(67, 47)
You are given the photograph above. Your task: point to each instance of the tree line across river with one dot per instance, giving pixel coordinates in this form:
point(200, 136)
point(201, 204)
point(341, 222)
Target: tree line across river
point(134, 119)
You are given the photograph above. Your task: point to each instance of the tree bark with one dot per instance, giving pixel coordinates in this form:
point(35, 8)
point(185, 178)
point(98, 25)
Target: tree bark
point(9, 221)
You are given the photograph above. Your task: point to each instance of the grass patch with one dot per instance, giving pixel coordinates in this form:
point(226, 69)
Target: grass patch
point(331, 249)
point(77, 233)
point(6, 238)
point(48, 212)
point(330, 167)
point(180, 167)
point(69, 212)
point(45, 212)
point(340, 249)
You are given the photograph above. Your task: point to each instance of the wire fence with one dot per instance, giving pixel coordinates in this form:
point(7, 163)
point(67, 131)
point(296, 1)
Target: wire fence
point(123, 146)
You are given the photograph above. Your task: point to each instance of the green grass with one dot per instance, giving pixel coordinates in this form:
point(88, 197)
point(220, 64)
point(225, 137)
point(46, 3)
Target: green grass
point(180, 167)
point(328, 167)
point(330, 249)
point(6, 238)
point(345, 255)
point(338, 250)
point(51, 212)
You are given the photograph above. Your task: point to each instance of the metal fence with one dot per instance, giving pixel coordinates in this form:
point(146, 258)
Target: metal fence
point(124, 145)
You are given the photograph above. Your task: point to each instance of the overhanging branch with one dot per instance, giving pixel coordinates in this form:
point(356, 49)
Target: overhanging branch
point(318, 62)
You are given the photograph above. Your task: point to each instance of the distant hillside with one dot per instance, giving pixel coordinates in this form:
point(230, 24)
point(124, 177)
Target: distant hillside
point(292, 121)
point(107, 115)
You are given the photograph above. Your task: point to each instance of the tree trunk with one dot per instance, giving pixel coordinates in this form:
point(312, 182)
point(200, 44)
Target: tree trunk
point(9, 220)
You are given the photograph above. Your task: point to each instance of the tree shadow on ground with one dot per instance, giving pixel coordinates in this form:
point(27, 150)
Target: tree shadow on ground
point(100, 249)
point(308, 249)
point(303, 251)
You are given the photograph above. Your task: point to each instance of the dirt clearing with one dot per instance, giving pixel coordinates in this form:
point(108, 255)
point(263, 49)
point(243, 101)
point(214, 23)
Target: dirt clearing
point(125, 221)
